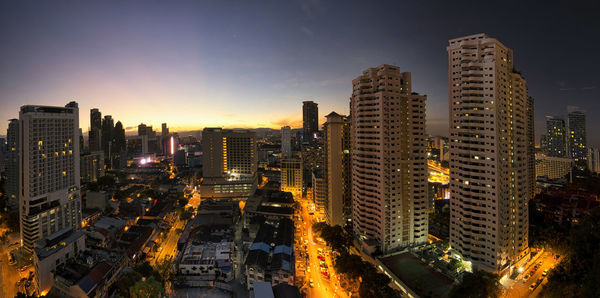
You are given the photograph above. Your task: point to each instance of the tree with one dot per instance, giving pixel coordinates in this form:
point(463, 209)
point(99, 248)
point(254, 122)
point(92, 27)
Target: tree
point(149, 288)
point(145, 269)
point(454, 264)
point(125, 281)
point(480, 284)
point(578, 274)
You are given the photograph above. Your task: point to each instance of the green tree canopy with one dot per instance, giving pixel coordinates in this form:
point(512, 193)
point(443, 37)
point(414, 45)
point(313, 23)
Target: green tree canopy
point(479, 284)
point(149, 288)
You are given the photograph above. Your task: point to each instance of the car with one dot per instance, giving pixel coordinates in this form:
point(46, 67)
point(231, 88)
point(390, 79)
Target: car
point(527, 276)
point(320, 257)
point(532, 287)
point(545, 272)
point(24, 268)
point(310, 283)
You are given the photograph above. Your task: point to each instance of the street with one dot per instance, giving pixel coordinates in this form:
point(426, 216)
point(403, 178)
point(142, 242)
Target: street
point(520, 287)
point(322, 286)
point(168, 246)
point(10, 276)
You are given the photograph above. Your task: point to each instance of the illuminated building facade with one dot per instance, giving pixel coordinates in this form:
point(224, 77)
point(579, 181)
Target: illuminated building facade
point(229, 162)
point(555, 139)
point(577, 145)
point(491, 153)
point(389, 169)
point(49, 162)
point(291, 176)
point(337, 143)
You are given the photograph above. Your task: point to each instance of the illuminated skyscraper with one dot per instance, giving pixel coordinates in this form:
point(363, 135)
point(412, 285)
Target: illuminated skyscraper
point(491, 153)
point(556, 144)
point(389, 170)
point(49, 163)
point(577, 144)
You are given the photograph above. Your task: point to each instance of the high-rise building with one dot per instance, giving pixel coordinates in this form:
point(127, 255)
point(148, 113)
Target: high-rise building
point(92, 166)
point(229, 163)
point(544, 144)
point(286, 142)
point(119, 140)
point(577, 145)
point(556, 144)
point(49, 162)
point(389, 169)
point(108, 127)
point(95, 135)
point(594, 159)
point(337, 143)
point(490, 134)
point(145, 130)
point(2, 155)
point(12, 165)
point(291, 176)
point(319, 190)
point(310, 120)
point(164, 130)
point(313, 158)
point(229, 153)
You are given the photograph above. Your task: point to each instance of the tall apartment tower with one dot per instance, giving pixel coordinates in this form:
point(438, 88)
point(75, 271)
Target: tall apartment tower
point(389, 170)
point(229, 154)
point(286, 142)
point(337, 143)
point(49, 166)
point(310, 120)
point(556, 142)
point(12, 165)
point(490, 135)
point(95, 136)
point(577, 144)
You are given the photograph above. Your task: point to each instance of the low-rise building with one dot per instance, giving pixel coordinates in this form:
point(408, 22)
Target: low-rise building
point(91, 274)
point(208, 261)
point(53, 251)
point(271, 255)
point(272, 205)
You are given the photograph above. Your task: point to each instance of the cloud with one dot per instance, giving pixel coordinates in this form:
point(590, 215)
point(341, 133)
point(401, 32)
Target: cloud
point(312, 7)
point(306, 31)
point(293, 123)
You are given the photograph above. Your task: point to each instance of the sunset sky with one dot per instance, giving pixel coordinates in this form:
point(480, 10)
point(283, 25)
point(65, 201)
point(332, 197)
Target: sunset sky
point(251, 63)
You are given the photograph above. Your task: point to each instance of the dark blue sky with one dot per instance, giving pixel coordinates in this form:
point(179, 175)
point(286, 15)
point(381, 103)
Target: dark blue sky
point(251, 63)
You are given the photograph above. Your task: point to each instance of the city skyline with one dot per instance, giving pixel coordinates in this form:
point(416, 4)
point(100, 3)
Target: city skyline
point(228, 65)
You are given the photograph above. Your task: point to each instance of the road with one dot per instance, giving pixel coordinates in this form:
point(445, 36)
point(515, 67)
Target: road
point(323, 287)
point(519, 288)
point(168, 246)
point(10, 275)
